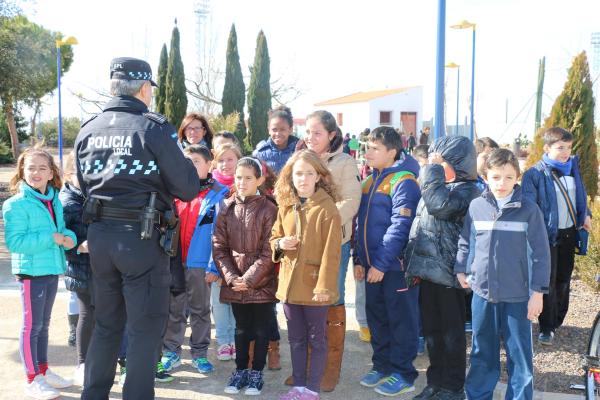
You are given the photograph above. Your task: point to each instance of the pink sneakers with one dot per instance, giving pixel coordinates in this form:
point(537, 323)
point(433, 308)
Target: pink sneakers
point(296, 394)
point(224, 352)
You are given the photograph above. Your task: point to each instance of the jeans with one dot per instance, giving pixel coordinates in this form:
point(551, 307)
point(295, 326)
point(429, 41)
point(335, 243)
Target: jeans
point(223, 317)
point(307, 325)
point(359, 303)
point(342, 273)
point(252, 323)
point(491, 323)
point(37, 294)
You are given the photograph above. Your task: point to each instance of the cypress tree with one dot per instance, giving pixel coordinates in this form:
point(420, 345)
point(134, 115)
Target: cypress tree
point(161, 91)
point(259, 94)
point(234, 91)
point(176, 96)
point(573, 110)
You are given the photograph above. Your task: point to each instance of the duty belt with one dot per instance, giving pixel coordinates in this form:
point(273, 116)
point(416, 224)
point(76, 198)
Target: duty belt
point(123, 214)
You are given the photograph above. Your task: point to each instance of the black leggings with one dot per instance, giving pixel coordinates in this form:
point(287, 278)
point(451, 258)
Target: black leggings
point(85, 325)
point(252, 322)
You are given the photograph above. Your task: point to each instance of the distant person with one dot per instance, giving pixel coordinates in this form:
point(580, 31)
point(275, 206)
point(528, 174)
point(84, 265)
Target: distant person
point(222, 138)
point(195, 129)
point(353, 145)
point(36, 236)
point(555, 185)
point(485, 145)
point(503, 307)
point(424, 138)
point(412, 142)
point(281, 144)
point(345, 143)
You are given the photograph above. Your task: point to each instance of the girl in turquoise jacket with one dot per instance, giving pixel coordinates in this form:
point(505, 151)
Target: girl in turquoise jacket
point(36, 236)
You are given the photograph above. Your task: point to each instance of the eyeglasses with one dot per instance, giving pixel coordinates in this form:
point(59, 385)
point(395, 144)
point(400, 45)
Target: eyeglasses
point(194, 128)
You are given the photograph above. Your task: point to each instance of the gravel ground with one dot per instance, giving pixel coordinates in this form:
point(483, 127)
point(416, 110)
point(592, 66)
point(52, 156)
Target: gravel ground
point(559, 366)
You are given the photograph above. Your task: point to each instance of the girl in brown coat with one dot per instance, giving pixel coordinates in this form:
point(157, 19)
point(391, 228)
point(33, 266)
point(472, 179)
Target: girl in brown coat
point(242, 253)
point(307, 239)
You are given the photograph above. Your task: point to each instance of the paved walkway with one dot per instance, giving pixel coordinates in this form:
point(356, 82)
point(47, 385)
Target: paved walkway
point(188, 383)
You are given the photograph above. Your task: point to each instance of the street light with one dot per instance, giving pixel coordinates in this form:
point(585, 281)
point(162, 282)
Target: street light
point(470, 25)
point(59, 43)
point(454, 65)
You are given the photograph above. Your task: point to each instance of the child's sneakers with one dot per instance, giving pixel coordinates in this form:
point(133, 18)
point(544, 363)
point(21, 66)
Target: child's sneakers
point(40, 390)
point(255, 383)
point(56, 381)
point(224, 352)
point(364, 334)
point(203, 365)
point(78, 376)
point(373, 378)
point(170, 360)
point(546, 338)
point(162, 375)
point(293, 394)
point(394, 385)
point(237, 381)
point(122, 375)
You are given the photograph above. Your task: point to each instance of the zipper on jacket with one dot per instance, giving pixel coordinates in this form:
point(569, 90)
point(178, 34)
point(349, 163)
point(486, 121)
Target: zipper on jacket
point(372, 189)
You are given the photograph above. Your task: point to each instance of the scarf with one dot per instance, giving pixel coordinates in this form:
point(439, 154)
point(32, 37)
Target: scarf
point(563, 167)
point(223, 179)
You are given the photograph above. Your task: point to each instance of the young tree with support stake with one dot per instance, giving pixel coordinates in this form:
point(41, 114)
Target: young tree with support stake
point(259, 94)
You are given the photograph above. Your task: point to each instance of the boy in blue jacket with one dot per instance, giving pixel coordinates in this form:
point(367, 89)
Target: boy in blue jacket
point(544, 184)
point(503, 255)
point(389, 200)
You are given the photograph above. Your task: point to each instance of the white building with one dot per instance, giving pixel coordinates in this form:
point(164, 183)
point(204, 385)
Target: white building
point(399, 108)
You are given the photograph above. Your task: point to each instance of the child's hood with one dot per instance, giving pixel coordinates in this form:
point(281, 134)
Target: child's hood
point(460, 153)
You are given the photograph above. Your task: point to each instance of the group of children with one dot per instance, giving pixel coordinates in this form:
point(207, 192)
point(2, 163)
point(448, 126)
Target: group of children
point(424, 234)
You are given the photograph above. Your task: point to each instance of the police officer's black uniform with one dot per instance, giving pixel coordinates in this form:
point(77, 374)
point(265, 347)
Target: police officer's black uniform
point(123, 155)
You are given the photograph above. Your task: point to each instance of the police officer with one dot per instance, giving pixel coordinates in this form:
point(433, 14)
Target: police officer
point(123, 155)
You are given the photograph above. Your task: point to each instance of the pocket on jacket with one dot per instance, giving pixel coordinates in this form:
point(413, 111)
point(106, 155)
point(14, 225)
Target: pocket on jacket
point(157, 302)
point(310, 274)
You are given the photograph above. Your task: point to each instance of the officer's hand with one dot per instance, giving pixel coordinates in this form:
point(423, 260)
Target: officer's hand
point(210, 277)
point(83, 247)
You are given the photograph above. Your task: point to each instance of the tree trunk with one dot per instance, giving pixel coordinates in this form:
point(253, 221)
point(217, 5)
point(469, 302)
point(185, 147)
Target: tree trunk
point(12, 126)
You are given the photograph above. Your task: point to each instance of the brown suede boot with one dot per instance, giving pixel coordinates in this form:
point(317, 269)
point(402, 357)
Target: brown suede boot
point(336, 333)
point(250, 354)
point(273, 359)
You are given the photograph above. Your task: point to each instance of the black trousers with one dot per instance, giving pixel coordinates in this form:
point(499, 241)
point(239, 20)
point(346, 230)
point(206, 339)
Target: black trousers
point(443, 319)
point(85, 325)
point(252, 322)
point(556, 302)
point(131, 281)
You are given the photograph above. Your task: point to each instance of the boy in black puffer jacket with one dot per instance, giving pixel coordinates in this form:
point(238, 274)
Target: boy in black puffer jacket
point(78, 275)
point(448, 184)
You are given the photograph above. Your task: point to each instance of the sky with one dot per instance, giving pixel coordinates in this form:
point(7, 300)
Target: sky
point(334, 48)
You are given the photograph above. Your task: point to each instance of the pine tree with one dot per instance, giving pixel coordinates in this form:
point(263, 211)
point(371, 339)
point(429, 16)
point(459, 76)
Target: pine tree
point(259, 94)
point(573, 110)
point(234, 91)
point(176, 96)
point(161, 91)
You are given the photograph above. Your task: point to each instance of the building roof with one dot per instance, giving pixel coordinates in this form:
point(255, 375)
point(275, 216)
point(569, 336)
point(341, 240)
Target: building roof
point(361, 97)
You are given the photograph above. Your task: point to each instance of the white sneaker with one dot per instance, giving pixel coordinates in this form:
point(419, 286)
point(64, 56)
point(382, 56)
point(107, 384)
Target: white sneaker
point(79, 375)
point(56, 381)
point(40, 390)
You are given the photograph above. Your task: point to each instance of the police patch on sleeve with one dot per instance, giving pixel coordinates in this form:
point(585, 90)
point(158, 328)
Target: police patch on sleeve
point(405, 212)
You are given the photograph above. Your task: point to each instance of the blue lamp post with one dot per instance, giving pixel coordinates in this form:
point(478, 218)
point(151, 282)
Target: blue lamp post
point(470, 25)
point(454, 65)
point(439, 76)
point(59, 43)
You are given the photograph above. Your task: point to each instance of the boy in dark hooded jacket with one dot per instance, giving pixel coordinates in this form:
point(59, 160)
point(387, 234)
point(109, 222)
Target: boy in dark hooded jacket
point(448, 184)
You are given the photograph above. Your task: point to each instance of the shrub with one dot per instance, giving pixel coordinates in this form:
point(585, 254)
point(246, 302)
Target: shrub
point(5, 153)
point(587, 267)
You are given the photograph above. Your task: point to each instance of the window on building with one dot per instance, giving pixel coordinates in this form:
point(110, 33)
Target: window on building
point(340, 119)
point(385, 117)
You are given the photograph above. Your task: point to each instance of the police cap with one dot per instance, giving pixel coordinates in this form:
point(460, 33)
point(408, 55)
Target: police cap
point(128, 68)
